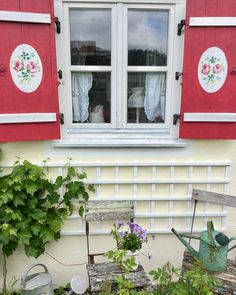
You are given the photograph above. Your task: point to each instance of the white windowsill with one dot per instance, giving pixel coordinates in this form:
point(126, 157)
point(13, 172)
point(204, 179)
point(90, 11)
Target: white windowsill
point(119, 142)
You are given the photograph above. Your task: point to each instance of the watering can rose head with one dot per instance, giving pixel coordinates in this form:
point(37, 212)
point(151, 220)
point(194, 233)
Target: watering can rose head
point(129, 236)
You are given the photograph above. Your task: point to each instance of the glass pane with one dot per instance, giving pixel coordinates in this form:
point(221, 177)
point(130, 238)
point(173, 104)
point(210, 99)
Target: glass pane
point(147, 37)
point(90, 36)
point(146, 97)
point(91, 97)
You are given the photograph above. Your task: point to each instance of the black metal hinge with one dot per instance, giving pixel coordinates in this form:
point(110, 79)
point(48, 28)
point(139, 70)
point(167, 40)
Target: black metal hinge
point(180, 27)
point(176, 118)
point(58, 25)
point(60, 76)
point(62, 119)
point(177, 75)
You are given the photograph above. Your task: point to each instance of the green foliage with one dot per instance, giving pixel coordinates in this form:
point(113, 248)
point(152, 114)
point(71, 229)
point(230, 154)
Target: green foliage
point(119, 257)
point(31, 208)
point(123, 287)
point(194, 282)
point(164, 278)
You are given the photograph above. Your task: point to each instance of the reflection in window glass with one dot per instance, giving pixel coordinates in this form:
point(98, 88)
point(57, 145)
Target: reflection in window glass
point(90, 36)
point(147, 37)
point(91, 97)
point(146, 97)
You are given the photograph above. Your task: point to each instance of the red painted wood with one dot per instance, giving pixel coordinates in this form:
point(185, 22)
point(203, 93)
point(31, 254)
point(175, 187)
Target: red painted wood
point(45, 98)
point(194, 98)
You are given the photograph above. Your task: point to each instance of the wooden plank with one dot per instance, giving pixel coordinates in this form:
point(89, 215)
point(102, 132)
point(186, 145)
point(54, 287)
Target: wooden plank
point(27, 17)
point(215, 198)
point(212, 21)
point(116, 215)
point(95, 205)
point(102, 272)
point(209, 117)
point(27, 118)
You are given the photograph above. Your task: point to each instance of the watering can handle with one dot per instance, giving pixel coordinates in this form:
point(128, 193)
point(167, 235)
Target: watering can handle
point(23, 279)
point(232, 239)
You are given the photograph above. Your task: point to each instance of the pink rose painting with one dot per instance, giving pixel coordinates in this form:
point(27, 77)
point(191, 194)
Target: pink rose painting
point(31, 67)
point(18, 65)
point(205, 69)
point(26, 66)
point(211, 68)
point(217, 68)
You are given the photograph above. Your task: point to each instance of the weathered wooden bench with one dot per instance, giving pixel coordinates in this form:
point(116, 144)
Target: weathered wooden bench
point(227, 278)
point(99, 273)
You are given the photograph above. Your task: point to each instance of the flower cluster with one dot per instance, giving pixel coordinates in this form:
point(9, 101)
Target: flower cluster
point(130, 238)
point(211, 68)
point(25, 66)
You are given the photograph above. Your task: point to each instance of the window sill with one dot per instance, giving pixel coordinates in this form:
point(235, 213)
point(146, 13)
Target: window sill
point(119, 142)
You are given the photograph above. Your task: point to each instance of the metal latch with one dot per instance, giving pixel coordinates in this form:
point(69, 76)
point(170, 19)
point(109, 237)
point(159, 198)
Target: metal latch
point(180, 27)
point(58, 25)
point(176, 118)
point(62, 119)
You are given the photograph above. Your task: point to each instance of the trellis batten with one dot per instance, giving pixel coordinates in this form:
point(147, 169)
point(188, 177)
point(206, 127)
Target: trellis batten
point(161, 192)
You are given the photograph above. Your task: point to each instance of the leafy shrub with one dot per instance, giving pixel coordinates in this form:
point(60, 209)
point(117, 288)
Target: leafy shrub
point(32, 210)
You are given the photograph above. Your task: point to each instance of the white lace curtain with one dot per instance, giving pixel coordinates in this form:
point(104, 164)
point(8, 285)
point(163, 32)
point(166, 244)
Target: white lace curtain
point(81, 84)
point(155, 95)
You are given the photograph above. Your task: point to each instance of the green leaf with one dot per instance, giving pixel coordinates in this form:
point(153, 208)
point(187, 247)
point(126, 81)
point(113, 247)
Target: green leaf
point(36, 228)
point(9, 248)
point(47, 235)
point(59, 182)
point(38, 214)
point(71, 172)
point(31, 252)
point(31, 188)
point(18, 200)
point(81, 211)
point(24, 236)
point(5, 197)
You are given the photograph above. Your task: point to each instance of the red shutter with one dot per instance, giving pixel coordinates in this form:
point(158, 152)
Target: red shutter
point(208, 107)
point(28, 74)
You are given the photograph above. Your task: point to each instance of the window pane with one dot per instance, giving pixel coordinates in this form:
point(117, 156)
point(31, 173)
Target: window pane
point(147, 37)
point(91, 97)
point(146, 97)
point(90, 36)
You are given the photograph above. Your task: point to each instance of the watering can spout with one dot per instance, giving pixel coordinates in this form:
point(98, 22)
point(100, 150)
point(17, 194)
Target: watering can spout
point(186, 244)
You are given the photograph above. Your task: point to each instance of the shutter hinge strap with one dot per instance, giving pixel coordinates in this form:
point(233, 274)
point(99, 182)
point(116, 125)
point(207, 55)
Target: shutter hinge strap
point(58, 25)
point(62, 119)
point(176, 118)
point(180, 26)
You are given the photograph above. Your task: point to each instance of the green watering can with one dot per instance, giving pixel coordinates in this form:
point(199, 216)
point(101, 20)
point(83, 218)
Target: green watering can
point(213, 247)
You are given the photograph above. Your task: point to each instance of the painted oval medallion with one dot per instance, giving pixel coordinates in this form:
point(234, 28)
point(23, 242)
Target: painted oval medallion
point(26, 68)
point(212, 69)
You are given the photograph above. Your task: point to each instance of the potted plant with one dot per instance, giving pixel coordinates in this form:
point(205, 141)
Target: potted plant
point(32, 208)
point(129, 238)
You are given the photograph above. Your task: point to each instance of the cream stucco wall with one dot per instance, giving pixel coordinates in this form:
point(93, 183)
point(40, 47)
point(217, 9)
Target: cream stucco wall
point(72, 249)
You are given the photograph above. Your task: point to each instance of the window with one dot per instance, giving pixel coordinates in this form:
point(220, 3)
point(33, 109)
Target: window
point(118, 60)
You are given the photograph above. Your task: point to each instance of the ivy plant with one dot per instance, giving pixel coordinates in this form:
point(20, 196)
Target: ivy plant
point(33, 207)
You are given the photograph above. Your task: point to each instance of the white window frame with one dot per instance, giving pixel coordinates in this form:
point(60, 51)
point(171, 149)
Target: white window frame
point(117, 133)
